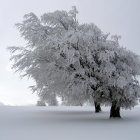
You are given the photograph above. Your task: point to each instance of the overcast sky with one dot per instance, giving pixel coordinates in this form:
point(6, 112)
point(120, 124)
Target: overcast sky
point(115, 16)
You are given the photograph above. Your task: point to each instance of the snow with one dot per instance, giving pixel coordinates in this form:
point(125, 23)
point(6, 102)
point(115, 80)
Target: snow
point(67, 123)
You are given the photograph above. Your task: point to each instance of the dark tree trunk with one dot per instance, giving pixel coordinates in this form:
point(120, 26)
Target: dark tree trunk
point(97, 107)
point(115, 110)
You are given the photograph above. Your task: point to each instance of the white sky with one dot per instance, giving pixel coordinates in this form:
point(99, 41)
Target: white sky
point(115, 16)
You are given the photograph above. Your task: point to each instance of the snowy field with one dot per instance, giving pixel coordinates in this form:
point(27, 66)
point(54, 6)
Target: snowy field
point(67, 123)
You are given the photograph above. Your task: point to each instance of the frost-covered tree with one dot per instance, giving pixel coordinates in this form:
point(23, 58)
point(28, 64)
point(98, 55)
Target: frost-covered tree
point(118, 69)
point(42, 58)
point(76, 62)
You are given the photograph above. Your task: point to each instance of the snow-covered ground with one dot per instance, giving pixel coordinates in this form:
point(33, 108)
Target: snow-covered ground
point(67, 123)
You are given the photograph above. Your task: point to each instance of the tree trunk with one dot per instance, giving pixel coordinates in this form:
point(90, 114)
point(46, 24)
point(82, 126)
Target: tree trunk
point(115, 110)
point(97, 107)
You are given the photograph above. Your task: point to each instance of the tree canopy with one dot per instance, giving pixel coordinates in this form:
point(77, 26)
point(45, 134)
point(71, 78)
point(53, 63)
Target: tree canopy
point(76, 62)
